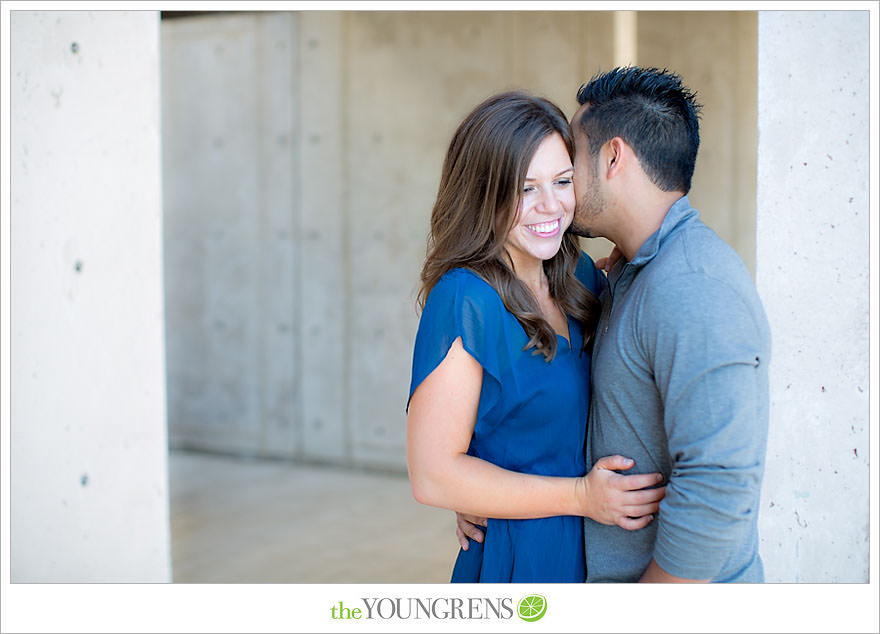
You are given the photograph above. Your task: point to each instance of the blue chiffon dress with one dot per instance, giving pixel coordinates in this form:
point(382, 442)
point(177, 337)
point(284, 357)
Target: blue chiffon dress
point(531, 418)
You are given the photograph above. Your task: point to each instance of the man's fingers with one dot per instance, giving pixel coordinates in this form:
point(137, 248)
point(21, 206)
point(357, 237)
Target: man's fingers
point(472, 519)
point(461, 538)
point(468, 528)
point(474, 533)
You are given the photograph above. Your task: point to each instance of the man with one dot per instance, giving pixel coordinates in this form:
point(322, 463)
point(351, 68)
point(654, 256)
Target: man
point(682, 347)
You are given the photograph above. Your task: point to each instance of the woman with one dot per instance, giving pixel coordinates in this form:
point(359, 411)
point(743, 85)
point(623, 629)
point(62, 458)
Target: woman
point(499, 397)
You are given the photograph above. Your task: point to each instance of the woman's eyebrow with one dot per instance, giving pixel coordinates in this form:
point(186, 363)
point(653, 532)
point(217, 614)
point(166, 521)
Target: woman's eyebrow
point(567, 169)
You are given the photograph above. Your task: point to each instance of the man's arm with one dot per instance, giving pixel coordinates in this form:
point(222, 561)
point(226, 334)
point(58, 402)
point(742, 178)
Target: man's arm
point(708, 349)
point(655, 574)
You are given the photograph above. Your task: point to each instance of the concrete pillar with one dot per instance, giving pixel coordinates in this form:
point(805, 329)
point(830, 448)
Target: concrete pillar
point(89, 491)
point(812, 273)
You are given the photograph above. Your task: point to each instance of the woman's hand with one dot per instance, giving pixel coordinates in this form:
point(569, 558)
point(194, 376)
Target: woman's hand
point(614, 499)
point(466, 526)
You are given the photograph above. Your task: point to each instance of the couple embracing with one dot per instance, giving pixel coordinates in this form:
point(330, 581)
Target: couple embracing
point(588, 426)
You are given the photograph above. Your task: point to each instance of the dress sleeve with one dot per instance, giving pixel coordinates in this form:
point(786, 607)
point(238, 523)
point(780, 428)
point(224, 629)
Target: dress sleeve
point(589, 275)
point(462, 305)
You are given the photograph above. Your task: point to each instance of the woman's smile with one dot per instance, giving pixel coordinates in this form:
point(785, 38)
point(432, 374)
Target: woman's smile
point(545, 229)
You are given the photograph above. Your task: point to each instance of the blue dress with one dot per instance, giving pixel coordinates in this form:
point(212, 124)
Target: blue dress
point(531, 418)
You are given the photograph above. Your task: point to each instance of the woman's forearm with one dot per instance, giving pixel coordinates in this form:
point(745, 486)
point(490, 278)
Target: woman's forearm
point(440, 424)
point(470, 485)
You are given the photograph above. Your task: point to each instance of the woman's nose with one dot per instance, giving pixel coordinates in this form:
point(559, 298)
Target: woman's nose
point(549, 202)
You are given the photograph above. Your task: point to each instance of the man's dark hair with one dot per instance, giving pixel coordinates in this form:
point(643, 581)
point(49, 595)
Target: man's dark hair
point(653, 112)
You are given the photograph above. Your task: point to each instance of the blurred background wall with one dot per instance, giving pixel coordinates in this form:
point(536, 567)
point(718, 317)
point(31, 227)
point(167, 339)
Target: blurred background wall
point(301, 157)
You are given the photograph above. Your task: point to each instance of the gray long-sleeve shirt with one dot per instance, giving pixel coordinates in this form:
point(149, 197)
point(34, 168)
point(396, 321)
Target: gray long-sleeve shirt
point(680, 386)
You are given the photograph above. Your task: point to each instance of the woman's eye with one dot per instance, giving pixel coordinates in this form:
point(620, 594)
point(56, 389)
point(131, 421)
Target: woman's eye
point(528, 189)
point(564, 182)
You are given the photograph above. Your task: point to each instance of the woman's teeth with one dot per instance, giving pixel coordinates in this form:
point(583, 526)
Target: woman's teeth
point(545, 227)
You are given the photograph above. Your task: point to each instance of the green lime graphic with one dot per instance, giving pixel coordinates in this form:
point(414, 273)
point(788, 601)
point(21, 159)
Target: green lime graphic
point(532, 607)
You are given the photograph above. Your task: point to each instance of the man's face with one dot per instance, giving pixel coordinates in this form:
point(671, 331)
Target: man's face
point(591, 203)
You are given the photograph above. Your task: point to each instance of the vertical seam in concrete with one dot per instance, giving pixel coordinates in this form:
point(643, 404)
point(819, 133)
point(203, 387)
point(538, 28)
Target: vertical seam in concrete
point(157, 26)
point(262, 96)
point(347, 382)
point(297, 138)
point(511, 44)
point(582, 54)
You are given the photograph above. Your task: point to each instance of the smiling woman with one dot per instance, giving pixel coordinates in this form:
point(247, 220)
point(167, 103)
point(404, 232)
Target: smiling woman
point(501, 368)
point(545, 209)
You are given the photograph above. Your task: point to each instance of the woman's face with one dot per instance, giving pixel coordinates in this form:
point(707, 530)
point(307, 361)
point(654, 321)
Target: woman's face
point(546, 204)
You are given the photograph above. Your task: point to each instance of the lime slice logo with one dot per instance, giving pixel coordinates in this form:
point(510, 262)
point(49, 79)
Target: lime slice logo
point(532, 608)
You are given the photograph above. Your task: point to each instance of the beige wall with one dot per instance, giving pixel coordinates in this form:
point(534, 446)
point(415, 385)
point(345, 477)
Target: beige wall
point(331, 227)
point(717, 54)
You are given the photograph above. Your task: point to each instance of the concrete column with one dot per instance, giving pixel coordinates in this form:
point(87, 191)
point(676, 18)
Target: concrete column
point(812, 273)
point(89, 491)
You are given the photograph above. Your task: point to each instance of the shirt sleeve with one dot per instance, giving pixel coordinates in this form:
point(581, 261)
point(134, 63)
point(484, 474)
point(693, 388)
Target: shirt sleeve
point(462, 305)
point(709, 351)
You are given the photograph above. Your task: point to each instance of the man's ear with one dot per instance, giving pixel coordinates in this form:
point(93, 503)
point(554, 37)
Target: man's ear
point(615, 156)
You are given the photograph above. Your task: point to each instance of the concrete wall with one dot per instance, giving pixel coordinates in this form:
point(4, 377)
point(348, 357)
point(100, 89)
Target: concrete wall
point(812, 273)
point(306, 255)
point(89, 493)
point(229, 159)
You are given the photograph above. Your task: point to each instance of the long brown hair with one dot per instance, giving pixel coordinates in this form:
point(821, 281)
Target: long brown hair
point(480, 188)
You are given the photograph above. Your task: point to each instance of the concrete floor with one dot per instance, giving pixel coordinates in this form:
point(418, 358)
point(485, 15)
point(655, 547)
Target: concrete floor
point(250, 521)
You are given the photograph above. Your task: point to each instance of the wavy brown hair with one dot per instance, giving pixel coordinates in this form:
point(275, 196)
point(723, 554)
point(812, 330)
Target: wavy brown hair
point(480, 189)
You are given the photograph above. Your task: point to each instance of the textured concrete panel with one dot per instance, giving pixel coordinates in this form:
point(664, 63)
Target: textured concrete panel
point(813, 114)
point(229, 174)
point(322, 285)
point(89, 494)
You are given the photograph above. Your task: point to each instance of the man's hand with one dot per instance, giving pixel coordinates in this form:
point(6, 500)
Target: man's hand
point(606, 263)
point(466, 526)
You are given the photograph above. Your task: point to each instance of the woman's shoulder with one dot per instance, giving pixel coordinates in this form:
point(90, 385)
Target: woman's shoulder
point(465, 283)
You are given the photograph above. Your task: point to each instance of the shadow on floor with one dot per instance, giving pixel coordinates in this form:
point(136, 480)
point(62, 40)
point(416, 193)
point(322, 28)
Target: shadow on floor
point(253, 521)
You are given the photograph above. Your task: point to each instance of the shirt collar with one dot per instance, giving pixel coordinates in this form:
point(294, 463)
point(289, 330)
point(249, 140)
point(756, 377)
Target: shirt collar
point(680, 212)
